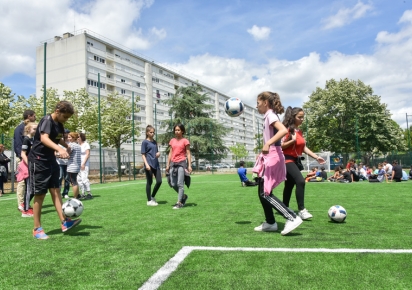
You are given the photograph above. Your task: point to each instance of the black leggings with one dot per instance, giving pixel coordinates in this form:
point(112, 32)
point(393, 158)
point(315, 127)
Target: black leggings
point(270, 202)
point(294, 177)
point(149, 177)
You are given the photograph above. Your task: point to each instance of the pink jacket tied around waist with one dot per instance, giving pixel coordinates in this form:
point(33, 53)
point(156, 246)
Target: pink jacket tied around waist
point(271, 167)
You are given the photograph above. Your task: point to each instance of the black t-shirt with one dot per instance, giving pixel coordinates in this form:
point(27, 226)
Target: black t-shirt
point(398, 171)
point(27, 143)
point(347, 176)
point(324, 175)
point(55, 130)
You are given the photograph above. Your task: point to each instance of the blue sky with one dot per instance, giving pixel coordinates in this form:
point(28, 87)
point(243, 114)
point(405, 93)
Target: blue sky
point(238, 47)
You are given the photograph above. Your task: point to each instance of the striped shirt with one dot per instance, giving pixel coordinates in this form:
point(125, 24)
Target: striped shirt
point(73, 166)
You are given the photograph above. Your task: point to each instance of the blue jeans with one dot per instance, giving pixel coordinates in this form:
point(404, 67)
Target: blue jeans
point(63, 174)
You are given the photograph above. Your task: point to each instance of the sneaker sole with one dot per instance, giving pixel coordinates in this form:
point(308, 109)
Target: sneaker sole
point(306, 218)
point(283, 233)
point(74, 225)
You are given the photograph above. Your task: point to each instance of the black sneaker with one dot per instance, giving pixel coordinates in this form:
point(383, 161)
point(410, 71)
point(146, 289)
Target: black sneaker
point(185, 197)
point(178, 205)
point(89, 196)
point(81, 196)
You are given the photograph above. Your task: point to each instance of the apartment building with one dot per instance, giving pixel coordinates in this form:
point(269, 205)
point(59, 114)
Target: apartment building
point(74, 60)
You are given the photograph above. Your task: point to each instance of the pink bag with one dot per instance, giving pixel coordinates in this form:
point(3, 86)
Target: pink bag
point(22, 171)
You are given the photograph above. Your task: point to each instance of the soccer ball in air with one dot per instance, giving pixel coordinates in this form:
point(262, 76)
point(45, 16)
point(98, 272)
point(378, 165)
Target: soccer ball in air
point(234, 107)
point(337, 214)
point(72, 207)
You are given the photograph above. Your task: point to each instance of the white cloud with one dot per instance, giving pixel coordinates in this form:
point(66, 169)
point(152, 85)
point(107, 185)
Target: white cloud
point(387, 71)
point(45, 19)
point(259, 33)
point(346, 15)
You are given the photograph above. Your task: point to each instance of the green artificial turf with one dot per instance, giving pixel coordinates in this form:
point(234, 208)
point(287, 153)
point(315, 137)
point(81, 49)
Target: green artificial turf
point(122, 242)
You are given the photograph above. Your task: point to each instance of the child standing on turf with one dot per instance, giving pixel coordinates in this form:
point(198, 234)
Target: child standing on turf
point(29, 131)
point(73, 166)
point(150, 157)
point(43, 168)
point(270, 165)
point(176, 163)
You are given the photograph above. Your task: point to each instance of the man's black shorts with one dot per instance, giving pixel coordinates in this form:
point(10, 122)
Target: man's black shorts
point(43, 175)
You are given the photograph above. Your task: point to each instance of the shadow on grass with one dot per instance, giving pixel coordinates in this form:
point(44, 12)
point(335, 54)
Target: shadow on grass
point(74, 231)
point(243, 222)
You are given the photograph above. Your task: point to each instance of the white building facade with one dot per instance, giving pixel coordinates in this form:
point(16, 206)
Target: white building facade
point(74, 60)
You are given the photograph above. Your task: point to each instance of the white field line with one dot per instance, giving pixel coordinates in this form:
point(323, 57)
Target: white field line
point(164, 272)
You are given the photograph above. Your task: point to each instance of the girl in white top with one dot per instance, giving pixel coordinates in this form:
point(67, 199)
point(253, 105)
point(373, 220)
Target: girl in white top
point(73, 166)
point(83, 176)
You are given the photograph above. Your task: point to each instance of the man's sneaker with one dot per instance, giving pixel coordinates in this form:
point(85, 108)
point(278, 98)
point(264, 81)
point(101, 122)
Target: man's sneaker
point(26, 214)
point(291, 225)
point(243, 184)
point(265, 227)
point(154, 199)
point(178, 205)
point(305, 215)
point(68, 224)
point(89, 196)
point(81, 196)
point(21, 207)
point(39, 234)
point(185, 197)
point(66, 196)
point(151, 203)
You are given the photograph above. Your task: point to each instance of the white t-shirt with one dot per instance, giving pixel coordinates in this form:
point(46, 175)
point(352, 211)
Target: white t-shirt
point(84, 147)
point(388, 168)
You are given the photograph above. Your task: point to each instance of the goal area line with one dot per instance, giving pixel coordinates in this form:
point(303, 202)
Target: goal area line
point(164, 272)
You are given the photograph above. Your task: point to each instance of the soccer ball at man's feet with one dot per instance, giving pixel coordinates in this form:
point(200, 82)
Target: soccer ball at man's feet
point(72, 208)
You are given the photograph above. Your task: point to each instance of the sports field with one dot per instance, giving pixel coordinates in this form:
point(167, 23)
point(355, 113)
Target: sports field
point(210, 243)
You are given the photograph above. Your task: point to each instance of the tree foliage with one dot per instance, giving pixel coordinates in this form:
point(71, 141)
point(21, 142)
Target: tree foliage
point(9, 117)
point(346, 117)
point(188, 106)
point(239, 150)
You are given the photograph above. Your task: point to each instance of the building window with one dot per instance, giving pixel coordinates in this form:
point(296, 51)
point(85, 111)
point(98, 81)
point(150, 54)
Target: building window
point(156, 80)
point(123, 91)
point(138, 84)
point(122, 80)
point(158, 94)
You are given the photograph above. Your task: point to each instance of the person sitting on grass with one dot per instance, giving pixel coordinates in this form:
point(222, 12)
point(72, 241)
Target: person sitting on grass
point(335, 175)
point(396, 171)
point(345, 177)
point(312, 174)
point(380, 176)
point(354, 174)
point(242, 171)
point(323, 174)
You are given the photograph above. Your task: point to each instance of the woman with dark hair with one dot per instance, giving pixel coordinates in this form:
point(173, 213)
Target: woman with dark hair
point(4, 160)
point(176, 163)
point(150, 156)
point(293, 145)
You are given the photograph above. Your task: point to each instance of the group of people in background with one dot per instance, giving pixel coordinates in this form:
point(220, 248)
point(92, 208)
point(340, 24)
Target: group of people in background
point(383, 172)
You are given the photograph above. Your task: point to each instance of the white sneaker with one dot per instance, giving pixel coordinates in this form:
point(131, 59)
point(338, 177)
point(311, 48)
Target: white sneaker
point(152, 203)
point(304, 214)
point(243, 184)
point(154, 199)
point(265, 227)
point(291, 225)
point(66, 196)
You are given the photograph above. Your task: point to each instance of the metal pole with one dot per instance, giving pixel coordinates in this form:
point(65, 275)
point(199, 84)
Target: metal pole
point(100, 126)
point(44, 85)
point(409, 138)
point(134, 155)
point(357, 138)
point(211, 143)
point(155, 112)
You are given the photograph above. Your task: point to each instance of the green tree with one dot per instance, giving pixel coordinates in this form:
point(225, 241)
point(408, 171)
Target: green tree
point(8, 117)
point(188, 106)
point(239, 150)
point(86, 116)
point(116, 111)
point(346, 117)
point(37, 104)
point(259, 143)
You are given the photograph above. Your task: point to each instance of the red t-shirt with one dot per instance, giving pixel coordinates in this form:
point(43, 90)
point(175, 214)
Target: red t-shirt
point(178, 149)
point(296, 149)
